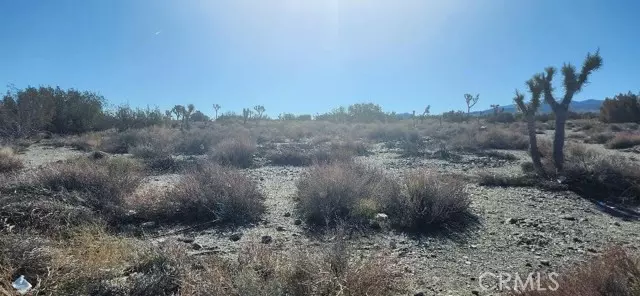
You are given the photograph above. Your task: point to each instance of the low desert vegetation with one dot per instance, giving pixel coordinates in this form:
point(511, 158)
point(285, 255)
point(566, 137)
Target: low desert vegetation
point(428, 202)
point(623, 141)
point(329, 195)
point(343, 192)
point(104, 184)
point(616, 272)
point(9, 162)
point(210, 193)
point(93, 262)
point(236, 151)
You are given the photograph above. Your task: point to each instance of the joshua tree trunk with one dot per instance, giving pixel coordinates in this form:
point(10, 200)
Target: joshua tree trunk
point(533, 145)
point(558, 139)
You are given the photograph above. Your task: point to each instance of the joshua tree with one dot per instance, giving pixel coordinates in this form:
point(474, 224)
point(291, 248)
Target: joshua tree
point(471, 101)
point(167, 117)
point(186, 116)
point(246, 113)
point(178, 110)
point(425, 113)
point(216, 107)
point(496, 109)
point(259, 110)
point(529, 111)
point(573, 83)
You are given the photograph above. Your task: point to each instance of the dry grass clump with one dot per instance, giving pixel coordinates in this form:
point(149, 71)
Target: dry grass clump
point(493, 137)
point(623, 141)
point(8, 161)
point(599, 138)
point(92, 262)
point(603, 177)
point(103, 184)
point(236, 151)
point(429, 200)
point(331, 193)
point(615, 272)
point(209, 193)
point(305, 154)
point(352, 193)
point(47, 213)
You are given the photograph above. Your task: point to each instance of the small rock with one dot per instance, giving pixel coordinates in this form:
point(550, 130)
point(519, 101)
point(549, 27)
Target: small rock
point(235, 237)
point(592, 250)
point(616, 223)
point(568, 218)
point(98, 155)
point(577, 240)
point(475, 292)
point(196, 246)
point(287, 214)
point(420, 294)
point(545, 262)
point(261, 178)
point(297, 222)
point(510, 221)
point(381, 217)
point(148, 224)
point(280, 228)
point(186, 240)
point(266, 239)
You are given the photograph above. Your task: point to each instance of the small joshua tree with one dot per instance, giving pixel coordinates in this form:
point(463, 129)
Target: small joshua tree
point(178, 110)
point(529, 111)
point(246, 113)
point(259, 110)
point(186, 116)
point(471, 101)
point(425, 113)
point(496, 109)
point(573, 83)
point(216, 107)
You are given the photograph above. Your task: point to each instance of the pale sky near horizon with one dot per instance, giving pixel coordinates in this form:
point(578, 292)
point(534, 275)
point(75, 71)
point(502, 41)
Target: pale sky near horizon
point(312, 56)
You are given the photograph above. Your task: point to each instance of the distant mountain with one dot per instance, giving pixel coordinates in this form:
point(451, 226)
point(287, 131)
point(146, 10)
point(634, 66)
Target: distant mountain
point(576, 106)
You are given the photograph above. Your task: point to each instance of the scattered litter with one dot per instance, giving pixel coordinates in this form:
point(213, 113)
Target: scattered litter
point(21, 285)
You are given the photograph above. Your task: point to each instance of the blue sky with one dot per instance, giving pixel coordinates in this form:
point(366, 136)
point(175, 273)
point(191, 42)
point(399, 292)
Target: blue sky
point(311, 56)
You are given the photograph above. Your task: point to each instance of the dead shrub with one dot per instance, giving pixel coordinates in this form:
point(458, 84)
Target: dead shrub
point(623, 141)
point(502, 139)
point(492, 138)
point(46, 215)
point(611, 178)
point(429, 200)
point(330, 193)
point(615, 272)
point(209, 193)
point(103, 183)
point(597, 176)
point(237, 151)
point(8, 161)
point(504, 180)
point(600, 138)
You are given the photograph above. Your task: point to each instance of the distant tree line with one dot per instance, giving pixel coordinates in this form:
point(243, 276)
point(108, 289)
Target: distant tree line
point(26, 112)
